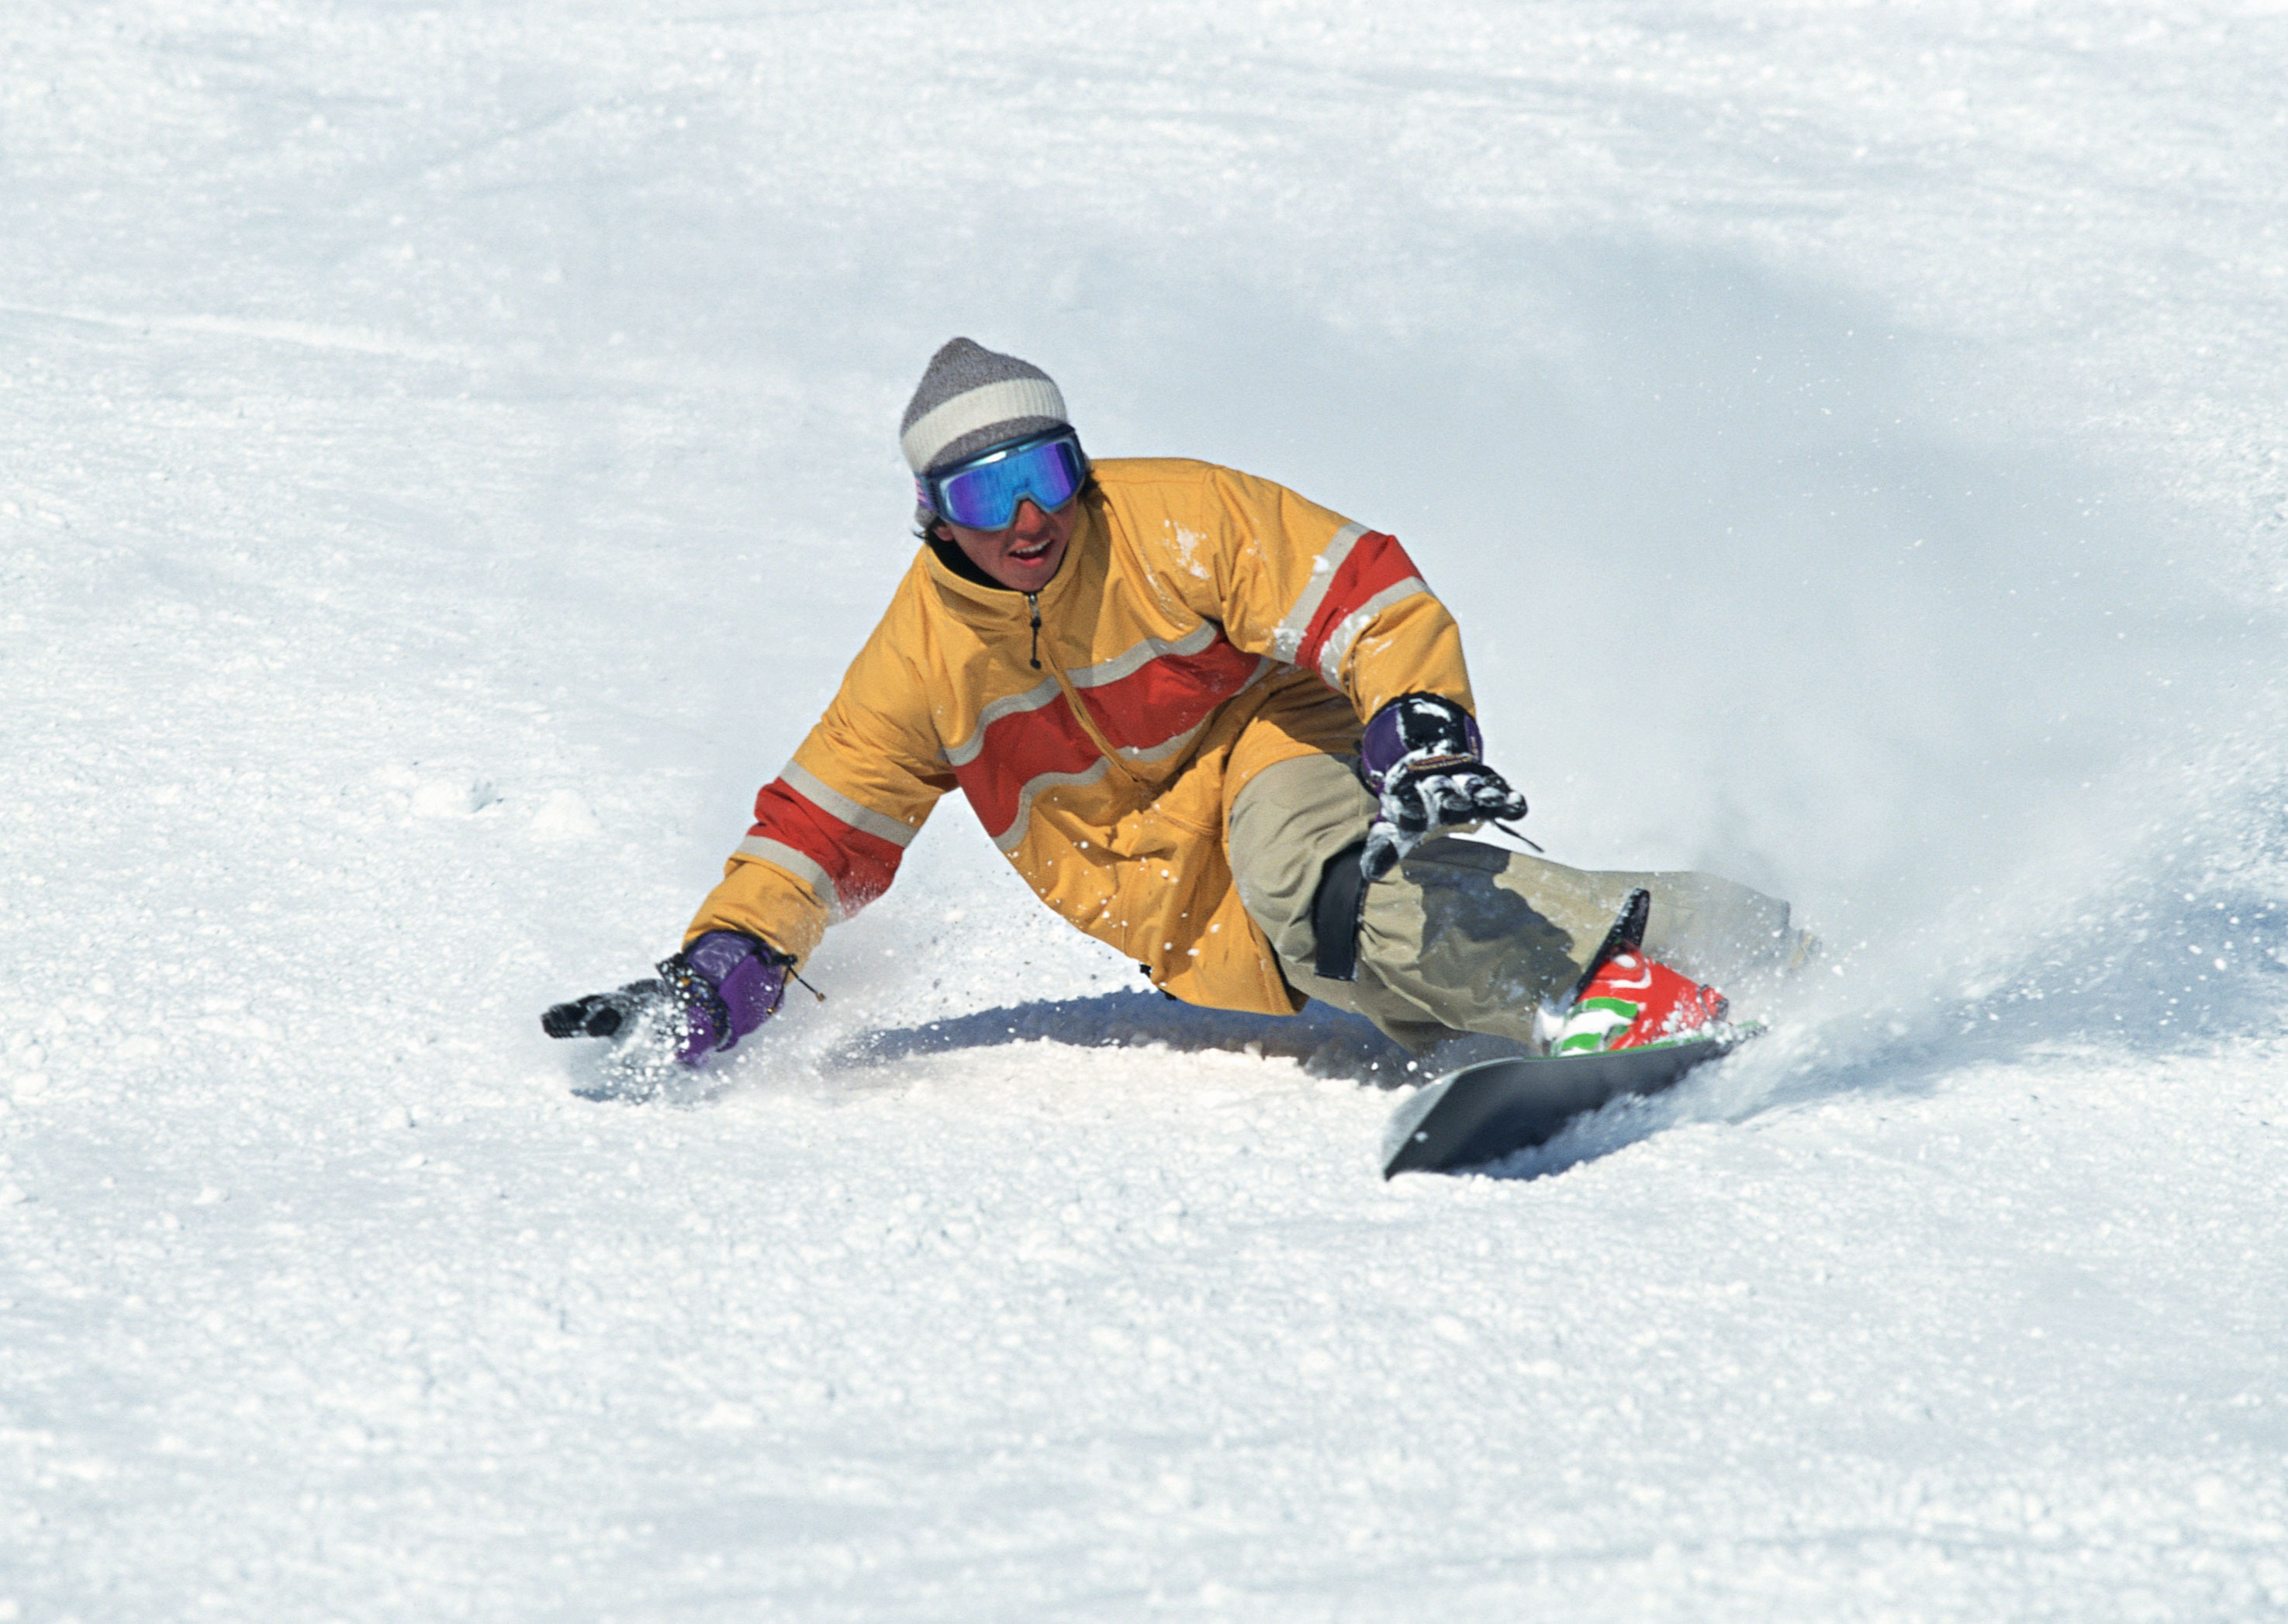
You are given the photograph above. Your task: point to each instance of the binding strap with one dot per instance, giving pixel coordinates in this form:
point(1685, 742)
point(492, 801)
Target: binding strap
point(1626, 936)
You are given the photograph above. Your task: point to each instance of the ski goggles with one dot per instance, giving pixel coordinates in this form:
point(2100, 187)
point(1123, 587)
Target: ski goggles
point(983, 493)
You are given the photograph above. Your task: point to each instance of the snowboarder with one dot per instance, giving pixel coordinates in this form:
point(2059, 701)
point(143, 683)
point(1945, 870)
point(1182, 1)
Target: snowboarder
point(1212, 723)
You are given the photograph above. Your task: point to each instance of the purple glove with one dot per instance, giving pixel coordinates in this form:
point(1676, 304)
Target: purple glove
point(707, 997)
point(1420, 757)
point(729, 984)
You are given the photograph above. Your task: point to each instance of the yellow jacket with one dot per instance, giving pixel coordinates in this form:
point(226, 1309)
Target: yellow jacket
point(1204, 624)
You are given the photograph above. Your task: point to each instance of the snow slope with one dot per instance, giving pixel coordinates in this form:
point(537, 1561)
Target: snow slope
point(450, 455)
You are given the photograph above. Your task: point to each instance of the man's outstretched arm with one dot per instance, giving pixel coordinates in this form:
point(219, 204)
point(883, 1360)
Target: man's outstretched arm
point(826, 839)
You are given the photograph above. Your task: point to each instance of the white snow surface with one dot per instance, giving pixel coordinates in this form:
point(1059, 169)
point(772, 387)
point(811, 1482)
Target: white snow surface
point(450, 455)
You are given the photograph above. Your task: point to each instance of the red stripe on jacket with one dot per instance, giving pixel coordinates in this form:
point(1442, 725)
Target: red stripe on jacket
point(1167, 697)
point(1017, 749)
point(862, 866)
point(1375, 561)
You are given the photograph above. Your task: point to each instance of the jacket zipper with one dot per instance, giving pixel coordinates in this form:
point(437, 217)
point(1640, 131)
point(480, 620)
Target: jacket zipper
point(1073, 700)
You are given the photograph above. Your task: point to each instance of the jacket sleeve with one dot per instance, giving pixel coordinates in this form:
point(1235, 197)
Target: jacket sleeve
point(830, 830)
point(1307, 586)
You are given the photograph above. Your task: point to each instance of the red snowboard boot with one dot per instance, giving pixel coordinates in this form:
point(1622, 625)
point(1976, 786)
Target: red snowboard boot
point(1627, 1001)
point(1631, 1001)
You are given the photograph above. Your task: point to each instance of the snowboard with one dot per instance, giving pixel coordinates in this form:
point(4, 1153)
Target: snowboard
point(1484, 1112)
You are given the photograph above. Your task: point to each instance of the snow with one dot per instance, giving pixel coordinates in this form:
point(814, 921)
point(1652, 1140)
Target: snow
point(450, 458)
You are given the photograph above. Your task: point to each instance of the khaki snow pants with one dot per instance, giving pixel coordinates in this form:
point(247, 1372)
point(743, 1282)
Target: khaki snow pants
point(1463, 937)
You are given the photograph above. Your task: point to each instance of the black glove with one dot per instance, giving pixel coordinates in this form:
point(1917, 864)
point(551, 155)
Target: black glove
point(602, 1014)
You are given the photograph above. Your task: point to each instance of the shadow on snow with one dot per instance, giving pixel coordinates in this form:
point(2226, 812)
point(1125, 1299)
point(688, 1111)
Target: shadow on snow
point(1329, 1042)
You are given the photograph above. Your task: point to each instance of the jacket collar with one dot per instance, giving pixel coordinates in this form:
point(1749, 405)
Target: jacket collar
point(956, 563)
point(966, 585)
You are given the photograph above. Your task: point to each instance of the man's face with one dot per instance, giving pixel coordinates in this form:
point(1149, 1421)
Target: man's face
point(1024, 556)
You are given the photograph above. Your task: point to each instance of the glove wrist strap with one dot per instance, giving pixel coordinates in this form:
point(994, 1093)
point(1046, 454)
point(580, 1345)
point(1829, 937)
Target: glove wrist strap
point(692, 988)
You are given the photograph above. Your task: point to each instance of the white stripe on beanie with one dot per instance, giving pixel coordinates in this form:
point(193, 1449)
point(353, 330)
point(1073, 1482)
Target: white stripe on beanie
point(980, 409)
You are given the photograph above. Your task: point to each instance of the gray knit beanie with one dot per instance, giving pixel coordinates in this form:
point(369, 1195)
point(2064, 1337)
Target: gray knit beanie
point(972, 398)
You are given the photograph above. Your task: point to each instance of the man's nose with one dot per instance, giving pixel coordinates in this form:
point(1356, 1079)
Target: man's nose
point(1029, 516)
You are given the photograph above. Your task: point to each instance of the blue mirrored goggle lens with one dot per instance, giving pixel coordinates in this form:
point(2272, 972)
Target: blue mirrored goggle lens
point(983, 495)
